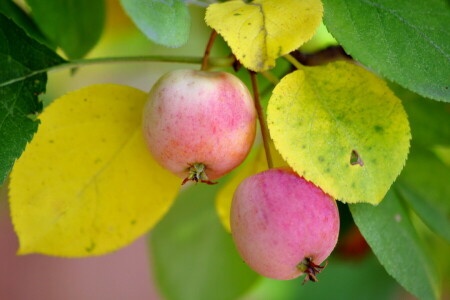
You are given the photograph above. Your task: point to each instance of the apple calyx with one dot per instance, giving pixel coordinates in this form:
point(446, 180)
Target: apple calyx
point(197, 174)
point(311, 269)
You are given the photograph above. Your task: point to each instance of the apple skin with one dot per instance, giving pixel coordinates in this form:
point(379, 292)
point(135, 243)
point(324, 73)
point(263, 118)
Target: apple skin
point(198, 117)
point(279, 219)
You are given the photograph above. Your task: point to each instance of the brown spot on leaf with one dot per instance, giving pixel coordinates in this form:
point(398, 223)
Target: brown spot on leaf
point(355, 159)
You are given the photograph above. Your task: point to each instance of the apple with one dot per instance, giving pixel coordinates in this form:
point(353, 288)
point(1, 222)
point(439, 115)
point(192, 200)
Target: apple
point(283, 225)
point(199, 125)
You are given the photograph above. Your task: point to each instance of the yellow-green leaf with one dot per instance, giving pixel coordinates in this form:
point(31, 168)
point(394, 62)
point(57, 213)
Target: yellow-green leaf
point(340, 127)
point(260, 31)
point(256, 164)
point(86, 184)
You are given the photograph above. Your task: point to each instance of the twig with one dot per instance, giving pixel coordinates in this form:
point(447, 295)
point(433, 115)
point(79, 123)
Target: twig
point(262, 121)
point(212, 37)
point(213, 62)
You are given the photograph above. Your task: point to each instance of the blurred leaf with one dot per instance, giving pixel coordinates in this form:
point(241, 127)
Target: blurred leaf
point(389, 231)
point(430, 120)
point(340, 127)
point(437, 248)
point(165, 22)
point(194, 258)
point(73, 25)
point(340, 280)
point(86, 184)
point(443, 152)
point(11, 10)
point(425, 185)
point(407, 42)
point(322, 39)
point(263, 30)
point(19, 56)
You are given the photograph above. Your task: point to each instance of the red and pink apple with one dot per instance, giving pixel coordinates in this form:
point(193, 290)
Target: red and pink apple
point(199, 125)
point(282, 225)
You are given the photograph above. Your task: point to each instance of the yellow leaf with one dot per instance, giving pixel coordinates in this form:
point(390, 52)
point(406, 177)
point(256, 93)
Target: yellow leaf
point(340, 127)
point(254, 165)
point(86, 184)
point(263, 30)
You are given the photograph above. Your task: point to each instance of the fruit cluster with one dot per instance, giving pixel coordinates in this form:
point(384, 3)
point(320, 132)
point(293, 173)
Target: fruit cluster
point(201, 125)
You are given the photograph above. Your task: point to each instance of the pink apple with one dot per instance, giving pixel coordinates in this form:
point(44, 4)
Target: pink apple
point(199, 125)
point(282, 225)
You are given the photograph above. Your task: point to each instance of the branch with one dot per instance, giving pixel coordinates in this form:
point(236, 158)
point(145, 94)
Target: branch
point(219, 62)
point(262, 121)
point(212, 37)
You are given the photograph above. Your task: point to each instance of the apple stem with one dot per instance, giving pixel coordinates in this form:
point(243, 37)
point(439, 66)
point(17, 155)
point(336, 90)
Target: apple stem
point(262, 120)
point(212, 37)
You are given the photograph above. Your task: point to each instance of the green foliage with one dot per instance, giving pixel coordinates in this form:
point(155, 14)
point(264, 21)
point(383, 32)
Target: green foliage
point(429, 120)
point(424, 180)
point(424, 184)
point(365, 279)
point(73, 25)
point(19, 104)
point(394, 240)
point(194, 258)
point(164, 22)
point(15, 13)
point(408, 42)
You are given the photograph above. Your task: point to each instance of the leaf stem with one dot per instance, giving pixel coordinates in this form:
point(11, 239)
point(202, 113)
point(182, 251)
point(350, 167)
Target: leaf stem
point(293, 61)
point(212, 37)
point(270, 77)
point(219, 62)
point(262, 121)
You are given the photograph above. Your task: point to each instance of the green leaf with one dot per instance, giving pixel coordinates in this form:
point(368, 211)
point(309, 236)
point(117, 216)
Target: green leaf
point(364, 279)
point(11, 10)
point(340, 127)
point(424, 184)
point(388, 230)
point(407, 42)
point(165, 22)
point(194, 258)
point(73, 25)
point(19, 56)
